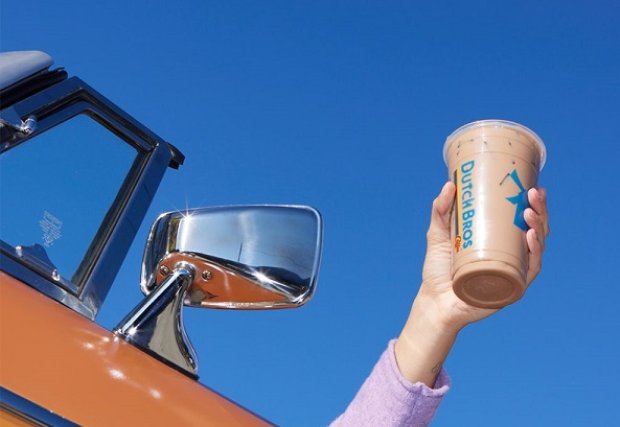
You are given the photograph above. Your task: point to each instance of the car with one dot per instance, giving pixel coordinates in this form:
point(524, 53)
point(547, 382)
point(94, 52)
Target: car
point(77, 176)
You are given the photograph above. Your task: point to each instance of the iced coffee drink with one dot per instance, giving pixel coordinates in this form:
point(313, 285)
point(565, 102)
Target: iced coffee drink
point(493, 164)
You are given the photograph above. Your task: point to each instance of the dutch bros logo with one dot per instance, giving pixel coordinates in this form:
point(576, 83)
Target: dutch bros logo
point(464, 206)
point(519, 200)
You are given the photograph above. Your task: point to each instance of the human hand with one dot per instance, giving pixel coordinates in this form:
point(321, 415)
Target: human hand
point(436, 291)
point(437, 314)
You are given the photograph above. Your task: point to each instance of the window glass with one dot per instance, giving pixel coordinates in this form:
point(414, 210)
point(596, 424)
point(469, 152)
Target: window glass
point(56, 189)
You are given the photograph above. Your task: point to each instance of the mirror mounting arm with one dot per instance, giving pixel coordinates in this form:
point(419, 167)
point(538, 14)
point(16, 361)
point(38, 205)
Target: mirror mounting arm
point(156, 324)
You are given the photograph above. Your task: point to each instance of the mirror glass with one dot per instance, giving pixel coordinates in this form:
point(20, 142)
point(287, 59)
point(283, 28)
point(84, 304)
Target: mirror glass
point(244, 257)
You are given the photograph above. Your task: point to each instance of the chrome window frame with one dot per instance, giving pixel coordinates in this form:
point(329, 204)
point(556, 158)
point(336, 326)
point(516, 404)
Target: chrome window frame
point(108, 248)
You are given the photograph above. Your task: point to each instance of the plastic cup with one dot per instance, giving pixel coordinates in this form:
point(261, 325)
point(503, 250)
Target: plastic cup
point(493, 164)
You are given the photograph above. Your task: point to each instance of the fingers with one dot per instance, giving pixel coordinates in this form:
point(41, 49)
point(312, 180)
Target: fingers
point(537, 223)
point(439, 228)
point(536, 217)
point(537, 198)
point(535, 259)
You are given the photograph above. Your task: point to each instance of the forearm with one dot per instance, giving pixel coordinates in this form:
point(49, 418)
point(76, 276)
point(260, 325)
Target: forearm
point(388, 399)
point(423, 345)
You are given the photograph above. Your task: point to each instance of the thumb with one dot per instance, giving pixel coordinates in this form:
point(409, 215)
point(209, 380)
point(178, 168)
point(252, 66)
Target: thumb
point(439, 229)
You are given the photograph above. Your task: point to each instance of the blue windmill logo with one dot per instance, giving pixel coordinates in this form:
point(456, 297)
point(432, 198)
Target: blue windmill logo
point(519, 200)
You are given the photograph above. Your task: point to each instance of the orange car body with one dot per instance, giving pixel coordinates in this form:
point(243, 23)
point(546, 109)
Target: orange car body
point(69, 365)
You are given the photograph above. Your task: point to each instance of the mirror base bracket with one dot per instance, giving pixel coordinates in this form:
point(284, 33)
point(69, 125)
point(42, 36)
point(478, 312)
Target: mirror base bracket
point(156, 324)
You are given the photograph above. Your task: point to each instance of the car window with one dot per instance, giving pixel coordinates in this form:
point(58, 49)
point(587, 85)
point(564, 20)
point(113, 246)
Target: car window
point(55, 191)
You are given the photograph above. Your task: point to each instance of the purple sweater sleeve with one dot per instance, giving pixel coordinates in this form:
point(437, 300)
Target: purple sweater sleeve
point(388, 399)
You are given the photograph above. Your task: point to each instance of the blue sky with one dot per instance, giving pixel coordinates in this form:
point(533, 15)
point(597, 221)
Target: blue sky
point(345, 105)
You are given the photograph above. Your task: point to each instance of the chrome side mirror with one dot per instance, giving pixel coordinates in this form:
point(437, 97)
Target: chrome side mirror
point(245, 257)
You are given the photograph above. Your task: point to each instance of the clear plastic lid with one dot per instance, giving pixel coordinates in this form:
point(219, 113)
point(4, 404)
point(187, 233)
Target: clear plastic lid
point(496, 124)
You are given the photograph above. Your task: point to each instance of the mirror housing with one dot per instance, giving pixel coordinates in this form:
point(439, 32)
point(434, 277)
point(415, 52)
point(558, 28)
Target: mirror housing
point(245, 257)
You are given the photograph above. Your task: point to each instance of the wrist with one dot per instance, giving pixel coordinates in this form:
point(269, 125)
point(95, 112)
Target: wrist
point(424, 344)
point(428, 327)
point(439, 317)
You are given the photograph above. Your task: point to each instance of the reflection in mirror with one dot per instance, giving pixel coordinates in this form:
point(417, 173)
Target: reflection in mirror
point(244, 257)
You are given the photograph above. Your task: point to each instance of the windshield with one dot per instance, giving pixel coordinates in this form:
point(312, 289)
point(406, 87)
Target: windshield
point(56, 189)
